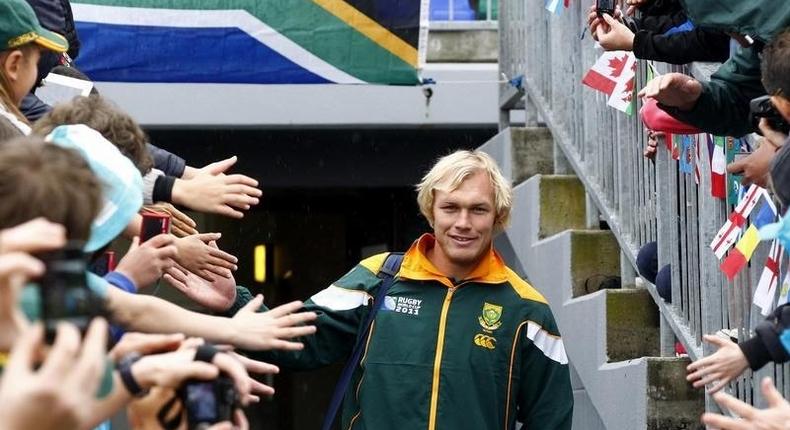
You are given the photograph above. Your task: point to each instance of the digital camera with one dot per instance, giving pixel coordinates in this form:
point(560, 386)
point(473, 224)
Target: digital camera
point(65, 295)
point(761, 107)
point(209, 402)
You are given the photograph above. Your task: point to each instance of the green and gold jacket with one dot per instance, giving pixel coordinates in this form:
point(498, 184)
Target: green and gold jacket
point(476, 354)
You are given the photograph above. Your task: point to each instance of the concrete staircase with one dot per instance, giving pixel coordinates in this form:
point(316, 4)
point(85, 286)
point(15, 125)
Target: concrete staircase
point(611, 335)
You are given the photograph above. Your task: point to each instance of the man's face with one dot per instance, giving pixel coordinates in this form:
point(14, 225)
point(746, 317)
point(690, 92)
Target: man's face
point(463, 224)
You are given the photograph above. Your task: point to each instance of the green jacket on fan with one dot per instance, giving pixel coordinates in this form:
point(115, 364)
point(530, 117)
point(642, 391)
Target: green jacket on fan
point(723, 106)
point(476, 354)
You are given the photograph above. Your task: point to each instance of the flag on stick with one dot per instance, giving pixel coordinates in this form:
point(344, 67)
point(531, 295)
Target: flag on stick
point(766, 286)
point(782, 299)
point(718, 169)
point(553, 6)
point(613, 74)
point(725, 238)
point(742, 253)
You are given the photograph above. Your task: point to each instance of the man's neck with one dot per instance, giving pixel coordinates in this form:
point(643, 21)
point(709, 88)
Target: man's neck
point(450, 270)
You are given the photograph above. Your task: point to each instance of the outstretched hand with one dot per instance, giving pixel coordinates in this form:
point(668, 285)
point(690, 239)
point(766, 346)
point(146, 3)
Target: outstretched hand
point(217, 295)
point(210, 190)
point(775, 417)
point(719, 368)
point(272, 329)
point(200, 255)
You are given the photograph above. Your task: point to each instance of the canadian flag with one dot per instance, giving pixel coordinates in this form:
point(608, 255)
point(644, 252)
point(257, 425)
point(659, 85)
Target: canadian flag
point(613, 74)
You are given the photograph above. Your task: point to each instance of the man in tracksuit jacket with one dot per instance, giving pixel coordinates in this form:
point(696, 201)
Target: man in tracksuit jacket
point(461, 342)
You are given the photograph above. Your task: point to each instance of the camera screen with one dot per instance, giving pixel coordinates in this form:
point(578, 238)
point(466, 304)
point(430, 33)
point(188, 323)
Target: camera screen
point(201, 402)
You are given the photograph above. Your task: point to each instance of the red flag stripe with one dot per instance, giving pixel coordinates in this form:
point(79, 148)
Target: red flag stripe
point(733, 264)
point(599, 82)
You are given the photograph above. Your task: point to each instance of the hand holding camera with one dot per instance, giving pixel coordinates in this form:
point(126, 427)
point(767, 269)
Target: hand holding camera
point(211, 384)
point(145, 263)
point(63, 386)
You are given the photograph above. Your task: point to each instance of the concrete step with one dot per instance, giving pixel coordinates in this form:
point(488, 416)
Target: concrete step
point(561, 203)
point(610, 335)
point(595, 259)
point(672, 403)
point(631, 325)
point(533, 152)
point(522, 152)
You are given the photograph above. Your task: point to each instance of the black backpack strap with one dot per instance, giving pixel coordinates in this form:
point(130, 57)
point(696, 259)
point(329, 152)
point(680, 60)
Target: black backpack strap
point(387, 273)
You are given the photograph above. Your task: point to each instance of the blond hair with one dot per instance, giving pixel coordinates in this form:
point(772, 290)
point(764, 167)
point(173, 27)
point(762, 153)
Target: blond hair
point(451, 170)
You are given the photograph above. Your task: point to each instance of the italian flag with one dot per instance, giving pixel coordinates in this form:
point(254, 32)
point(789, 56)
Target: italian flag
point(718, 169)
point(613, 74)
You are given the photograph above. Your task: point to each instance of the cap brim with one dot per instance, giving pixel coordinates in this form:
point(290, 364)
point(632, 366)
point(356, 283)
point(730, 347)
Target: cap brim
point(51, 40)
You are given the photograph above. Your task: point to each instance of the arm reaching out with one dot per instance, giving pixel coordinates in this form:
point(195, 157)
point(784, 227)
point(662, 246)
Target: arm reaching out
point(719, 368)
point(210, 190)
point(248, 329)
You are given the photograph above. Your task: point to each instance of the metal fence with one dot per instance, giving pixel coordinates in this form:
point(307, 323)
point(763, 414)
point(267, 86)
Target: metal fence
point(641, 201)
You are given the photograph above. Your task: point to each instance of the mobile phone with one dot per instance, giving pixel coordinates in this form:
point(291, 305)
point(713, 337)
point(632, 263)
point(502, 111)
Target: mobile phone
point(154, 224)
point(104, 264)
point(65, 295)
point(604, 6)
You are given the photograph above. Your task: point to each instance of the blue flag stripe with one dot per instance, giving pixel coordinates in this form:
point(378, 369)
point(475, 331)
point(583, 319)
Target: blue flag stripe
point(170, 54)
point(765, 216)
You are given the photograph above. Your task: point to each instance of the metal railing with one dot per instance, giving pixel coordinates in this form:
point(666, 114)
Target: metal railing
point(641, 201)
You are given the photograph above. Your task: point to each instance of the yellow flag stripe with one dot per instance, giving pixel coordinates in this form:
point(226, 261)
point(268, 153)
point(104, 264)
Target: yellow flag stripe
point(748, 242)
point(371, 29)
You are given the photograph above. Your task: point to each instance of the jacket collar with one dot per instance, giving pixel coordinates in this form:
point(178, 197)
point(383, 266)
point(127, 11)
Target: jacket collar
point(418, 267)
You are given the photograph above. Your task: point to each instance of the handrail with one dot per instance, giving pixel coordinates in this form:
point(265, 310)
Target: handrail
point(640, 201)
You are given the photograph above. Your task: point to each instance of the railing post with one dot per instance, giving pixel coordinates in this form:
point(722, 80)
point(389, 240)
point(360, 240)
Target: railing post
point(711, 285)
point(561, 164)
point(667, 337)
point(627, 272)
point(592, 215)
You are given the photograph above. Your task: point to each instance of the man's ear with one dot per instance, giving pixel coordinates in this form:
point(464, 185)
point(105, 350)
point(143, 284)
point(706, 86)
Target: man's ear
point(782, 105)
point(11, 64)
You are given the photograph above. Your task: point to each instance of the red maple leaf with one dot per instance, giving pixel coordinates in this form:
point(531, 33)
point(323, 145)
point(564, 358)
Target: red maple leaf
point(617, 65)
point(628, 91)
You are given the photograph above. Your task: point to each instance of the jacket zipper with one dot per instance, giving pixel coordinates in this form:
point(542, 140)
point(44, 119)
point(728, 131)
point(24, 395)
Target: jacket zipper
point(437, 362)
